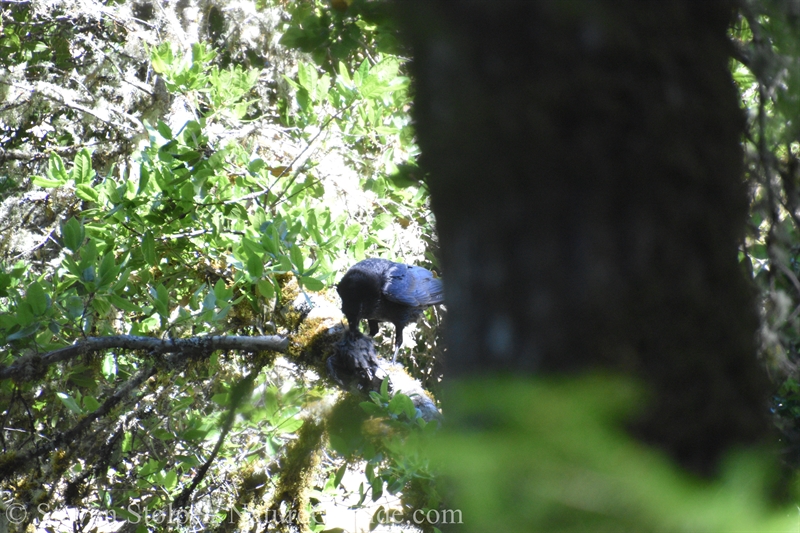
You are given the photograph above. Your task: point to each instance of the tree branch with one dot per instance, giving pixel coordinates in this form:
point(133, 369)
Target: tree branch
point(22, 460)
point(26, 368)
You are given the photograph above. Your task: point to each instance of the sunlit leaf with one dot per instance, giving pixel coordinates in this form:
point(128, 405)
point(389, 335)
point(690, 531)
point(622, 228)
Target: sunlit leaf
point(69, 402)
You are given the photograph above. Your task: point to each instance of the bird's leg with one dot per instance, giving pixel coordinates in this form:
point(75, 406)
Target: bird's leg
point(398, 342)
point(373, 327)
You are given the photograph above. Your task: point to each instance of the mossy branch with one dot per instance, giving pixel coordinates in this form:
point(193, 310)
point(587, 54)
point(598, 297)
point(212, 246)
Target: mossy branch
point(27, 368)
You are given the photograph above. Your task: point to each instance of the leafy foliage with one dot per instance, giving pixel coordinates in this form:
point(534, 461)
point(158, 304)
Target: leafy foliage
point(212, 211)
point(561, 445)
point(57, 82)
point(341, 31)
point(766, 70)
point(202, 228)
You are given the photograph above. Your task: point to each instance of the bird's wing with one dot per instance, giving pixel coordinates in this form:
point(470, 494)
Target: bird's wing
point(413, 286)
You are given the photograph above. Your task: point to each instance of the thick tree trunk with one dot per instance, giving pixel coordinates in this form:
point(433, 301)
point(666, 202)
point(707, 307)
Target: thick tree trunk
point(585, 171)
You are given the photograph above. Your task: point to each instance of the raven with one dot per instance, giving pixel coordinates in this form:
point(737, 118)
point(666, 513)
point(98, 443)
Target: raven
point(379, 290)
point(354, 362)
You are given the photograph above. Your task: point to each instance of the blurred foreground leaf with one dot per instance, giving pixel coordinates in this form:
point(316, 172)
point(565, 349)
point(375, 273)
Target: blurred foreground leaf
point(553, 455)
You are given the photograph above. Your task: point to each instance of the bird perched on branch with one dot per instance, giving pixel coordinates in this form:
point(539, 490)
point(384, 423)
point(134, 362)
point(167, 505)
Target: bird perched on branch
point(378, 290)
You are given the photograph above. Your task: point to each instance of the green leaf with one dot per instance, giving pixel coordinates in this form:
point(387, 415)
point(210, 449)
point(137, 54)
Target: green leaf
point(362, 494)
point(382, 221)
point(171, 480)
point(292, 37)
point(88, 253)
point(285, 263)
point(123, 303)
point(255, 266)
point(27, 331)
point(222, 292)
point(359, 248)
point(70, 403)
point(376, 397)
point(127, 442)
point(108, 270)
point(161, 58)
point(291, 82)
point(270, 239)
point(85, 191)
point(344, 74)
point(210, 301)
point(290, 424)
point(395, 486)
point(266, 289)
point(307, 77)
point(38, 300)
point(194, 435)
point(122, 280)
point(297, 257)
point(144, 179)
point(340, 472)
point(148, 468)
point(88, 276)
point(109, 366)
point(303, 99)
point(352, 231)
point(5, 283)
point(162, 434)
point(82, 171)
point(73, 234)
point(221, 398)
point(189, 156)
point(46, 183)
point(164, 130)
point(377, 488)
point(182, 403)
point(56, 170)
point(160, 298)
point(101, 305)
point(149, 248)
point(401, 403)
point(312, 284)
point(90, 403)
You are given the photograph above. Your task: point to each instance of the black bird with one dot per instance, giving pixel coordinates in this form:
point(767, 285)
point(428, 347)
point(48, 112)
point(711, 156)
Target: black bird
point(355, 363)
point(383, 291)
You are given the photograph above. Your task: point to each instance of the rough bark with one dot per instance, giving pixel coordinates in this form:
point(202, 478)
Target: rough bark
point(585, 172)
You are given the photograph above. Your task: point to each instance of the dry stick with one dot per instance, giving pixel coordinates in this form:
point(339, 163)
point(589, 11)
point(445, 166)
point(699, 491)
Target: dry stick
point(183, 498)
